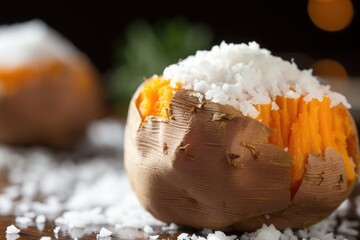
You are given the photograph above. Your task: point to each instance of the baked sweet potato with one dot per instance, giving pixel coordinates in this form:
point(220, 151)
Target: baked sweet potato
point(49, 94)
point(206, 165)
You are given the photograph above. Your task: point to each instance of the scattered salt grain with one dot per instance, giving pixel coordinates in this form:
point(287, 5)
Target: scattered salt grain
point(194, 237)
point(148, 229)
point(218, 235)
point(183, 236)
point(12, 192)
point(6, 205)
point(288, 234)
point(12, 236)
point(56, 230)
point(198, 95)
point(45, 238)
point(23, 220)
point(170, 228)
point(104, 233)
point(267, 217)
point(80, 219)
point(12, 230)
point(40, 219)
point(265, 233)
point(243, 75)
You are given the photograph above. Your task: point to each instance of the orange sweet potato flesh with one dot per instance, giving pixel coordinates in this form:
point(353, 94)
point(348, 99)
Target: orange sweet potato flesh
point(155, 98)
point(49, 102)
point(13, 79)
point(300, 127)
point(309, 127)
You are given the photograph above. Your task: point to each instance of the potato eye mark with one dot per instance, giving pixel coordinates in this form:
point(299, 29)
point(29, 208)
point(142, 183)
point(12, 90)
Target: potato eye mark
point(165, 148)
point(231, 157)
point(197, 107)
point(169, 113)
point(217, 116)
point(256, 154)
point(316, 178)
point(184, 148)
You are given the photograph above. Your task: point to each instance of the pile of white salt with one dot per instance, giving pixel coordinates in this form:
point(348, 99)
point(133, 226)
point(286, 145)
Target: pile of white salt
point(244, 75)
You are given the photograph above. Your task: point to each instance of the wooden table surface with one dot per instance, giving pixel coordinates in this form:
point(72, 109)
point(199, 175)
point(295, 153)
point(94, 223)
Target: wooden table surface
point(34, 232)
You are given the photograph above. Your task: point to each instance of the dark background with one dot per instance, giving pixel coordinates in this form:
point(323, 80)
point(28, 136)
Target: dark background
point(282, 26)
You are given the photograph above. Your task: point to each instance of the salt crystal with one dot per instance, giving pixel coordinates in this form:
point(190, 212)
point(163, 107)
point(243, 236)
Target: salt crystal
point(12, 192)
point(220, 235)
point(23, 220)
point(104, 233)
point(171, 227)
point(45, 238)
point(6, 205)
point(40, 227)
point(183, 236)
point(56, 230)
point(154, 237)
point(148, 229)
point(12, 236)
point(40, 219)
point(267, 233)
point(12, 230)
point(194, 237)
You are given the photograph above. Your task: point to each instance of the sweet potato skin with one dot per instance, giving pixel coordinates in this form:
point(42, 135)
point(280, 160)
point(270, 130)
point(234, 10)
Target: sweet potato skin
point(209, 166)
point(52, 111)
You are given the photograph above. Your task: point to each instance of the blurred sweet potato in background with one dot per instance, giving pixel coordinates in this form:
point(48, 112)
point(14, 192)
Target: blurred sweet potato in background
point(49, 91)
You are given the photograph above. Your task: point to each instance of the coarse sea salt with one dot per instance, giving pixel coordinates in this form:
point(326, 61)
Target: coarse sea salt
point(243, 75)
point(104, 233)
point(45, 238)
point(56, 230)
point(28, 42)
point(40, 219)
point(23, 220)
point(148, 229)
point(12, 230)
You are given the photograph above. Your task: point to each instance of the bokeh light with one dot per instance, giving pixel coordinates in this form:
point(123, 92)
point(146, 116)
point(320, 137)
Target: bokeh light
point(331, 15)
point(329, 68)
